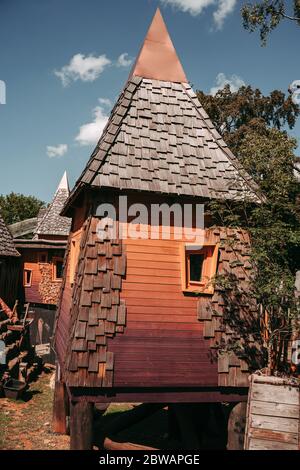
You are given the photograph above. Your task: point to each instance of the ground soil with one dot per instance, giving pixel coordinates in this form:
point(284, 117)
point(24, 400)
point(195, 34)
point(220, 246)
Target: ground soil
point(25, 424)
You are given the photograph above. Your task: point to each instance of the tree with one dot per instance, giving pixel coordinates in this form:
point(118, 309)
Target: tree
point(252, 125)
point(234, 114)
point(267, 14)
point(16, 207)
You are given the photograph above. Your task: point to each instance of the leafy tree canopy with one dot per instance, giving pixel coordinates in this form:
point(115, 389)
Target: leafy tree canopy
point(234, 114)
point(253, 126)
point(16, 207)
point(267, 14)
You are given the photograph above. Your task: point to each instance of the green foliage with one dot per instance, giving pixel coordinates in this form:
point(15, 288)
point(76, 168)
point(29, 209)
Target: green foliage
point(235, 113)
point(251, 125)
point(267, 14)
point(275, 224)
point(16, 207)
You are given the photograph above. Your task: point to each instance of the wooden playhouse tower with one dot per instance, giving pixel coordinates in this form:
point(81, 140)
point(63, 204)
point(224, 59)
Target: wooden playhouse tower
point(139, 319)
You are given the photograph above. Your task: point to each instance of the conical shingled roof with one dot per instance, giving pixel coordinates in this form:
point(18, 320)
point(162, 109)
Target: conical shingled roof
point(7, 247)
point(160, 139)
point(51, 222)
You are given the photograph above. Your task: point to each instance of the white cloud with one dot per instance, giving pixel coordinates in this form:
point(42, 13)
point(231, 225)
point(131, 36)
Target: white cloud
point(85, 68)
point(234, 81)
point(90, 133)
point(196, 7)
point(105, 102)
point(124, 60)
point(225, 7)
point(58, 151)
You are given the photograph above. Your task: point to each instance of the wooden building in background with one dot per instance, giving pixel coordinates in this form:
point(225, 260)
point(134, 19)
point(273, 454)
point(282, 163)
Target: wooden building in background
point(42, 264)
point(10, 267)
point(140, 319)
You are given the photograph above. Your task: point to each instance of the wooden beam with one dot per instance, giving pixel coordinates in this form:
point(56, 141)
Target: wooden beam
point(109, 444)
point(81, 425)
point(59, 419)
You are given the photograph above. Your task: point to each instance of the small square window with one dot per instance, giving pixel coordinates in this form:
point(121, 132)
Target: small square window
point(43, 257)
point(199, 267)
point(58, 267)
point(195, 268)
point(27, 277)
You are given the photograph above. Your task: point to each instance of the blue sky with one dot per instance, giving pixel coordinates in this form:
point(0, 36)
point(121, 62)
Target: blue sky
point(50, 119)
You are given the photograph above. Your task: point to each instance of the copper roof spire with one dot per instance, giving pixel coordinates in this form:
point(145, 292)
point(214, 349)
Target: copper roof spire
point(158, 59)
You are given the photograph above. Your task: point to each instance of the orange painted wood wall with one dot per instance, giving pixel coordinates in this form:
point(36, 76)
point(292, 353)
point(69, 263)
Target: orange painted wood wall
point(163, 342)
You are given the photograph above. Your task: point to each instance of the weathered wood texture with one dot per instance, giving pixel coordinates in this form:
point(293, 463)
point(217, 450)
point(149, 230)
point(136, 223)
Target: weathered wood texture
point(159, 394)
point(97, 312)
point(230, 315)
point(109, 444)
point(272, 414)
point(81, 426)
point(59, 420)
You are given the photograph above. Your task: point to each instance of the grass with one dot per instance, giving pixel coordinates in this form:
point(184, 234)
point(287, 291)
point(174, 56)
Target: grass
point(26, 424)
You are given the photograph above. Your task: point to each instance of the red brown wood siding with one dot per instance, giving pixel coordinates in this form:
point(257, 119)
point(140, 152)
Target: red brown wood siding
point(163, 343)
point(32, 294)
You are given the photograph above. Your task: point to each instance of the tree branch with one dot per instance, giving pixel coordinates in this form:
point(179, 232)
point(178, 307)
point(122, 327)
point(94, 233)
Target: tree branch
point(293, 18)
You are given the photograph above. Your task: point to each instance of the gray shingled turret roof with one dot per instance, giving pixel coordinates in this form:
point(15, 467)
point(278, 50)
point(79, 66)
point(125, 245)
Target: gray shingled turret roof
point(50, 222)
point(7, 247)
point(160, 139)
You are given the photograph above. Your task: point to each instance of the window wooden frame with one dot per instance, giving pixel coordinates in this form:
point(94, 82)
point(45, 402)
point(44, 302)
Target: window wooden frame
point(56, 259)
point(209, 268)
point(25, 283)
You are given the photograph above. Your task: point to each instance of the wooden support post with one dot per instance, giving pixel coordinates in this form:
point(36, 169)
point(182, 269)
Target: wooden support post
point(60, 405)
point(236, 426)
point(81, 425)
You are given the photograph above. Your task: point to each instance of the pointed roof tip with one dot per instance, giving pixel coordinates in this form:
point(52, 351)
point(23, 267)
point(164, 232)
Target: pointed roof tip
point(64, 183)
point(158, 58)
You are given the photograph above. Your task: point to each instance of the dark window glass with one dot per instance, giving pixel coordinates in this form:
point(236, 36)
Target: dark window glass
point(59, 269)
point(196, 264)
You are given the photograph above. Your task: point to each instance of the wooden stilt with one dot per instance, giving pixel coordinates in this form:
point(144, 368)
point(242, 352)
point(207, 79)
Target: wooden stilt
point(236, 427)
point(81, 425)
point(59, 420)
